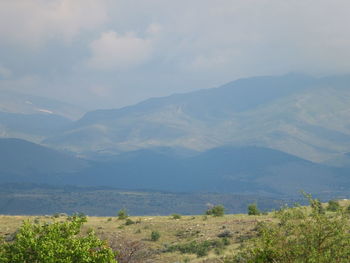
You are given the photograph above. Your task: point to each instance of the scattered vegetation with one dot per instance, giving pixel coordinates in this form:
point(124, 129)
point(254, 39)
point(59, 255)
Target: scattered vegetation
point(301, 235)
point(201, 249)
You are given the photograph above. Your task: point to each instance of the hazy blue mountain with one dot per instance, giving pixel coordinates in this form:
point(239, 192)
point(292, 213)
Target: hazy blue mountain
point(297, 114)
point(243, 170)
point(15, 102)
point(33, 127)
point(23, 161)
point(33, 118)
point(225, 169)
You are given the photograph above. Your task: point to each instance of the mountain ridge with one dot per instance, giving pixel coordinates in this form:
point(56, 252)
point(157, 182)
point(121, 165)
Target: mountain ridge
point(297, 114)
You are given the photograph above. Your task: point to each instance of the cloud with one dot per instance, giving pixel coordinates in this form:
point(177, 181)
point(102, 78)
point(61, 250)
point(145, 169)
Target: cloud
point(5, 72)
point(165, 47)
point(117, 52)
point(33, 22)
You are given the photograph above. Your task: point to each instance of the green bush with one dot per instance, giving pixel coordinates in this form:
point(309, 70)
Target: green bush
point(253, 209)
point(122, 214)
point(314, 237)
point(333, 206)
point(317, 206)
point(155, 235)
point(129, 222)
point(217, 210)
point(59, 242)
point(176, 216)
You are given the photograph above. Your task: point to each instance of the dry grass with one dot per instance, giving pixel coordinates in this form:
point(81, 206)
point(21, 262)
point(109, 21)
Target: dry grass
point(135, 240)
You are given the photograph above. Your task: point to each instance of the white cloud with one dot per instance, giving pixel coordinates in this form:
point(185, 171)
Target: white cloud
point(33, 22)
point(116, 52)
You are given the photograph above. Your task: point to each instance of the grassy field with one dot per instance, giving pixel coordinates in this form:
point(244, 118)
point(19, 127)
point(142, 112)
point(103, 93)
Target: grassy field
point(198, 238)
point(136, 239)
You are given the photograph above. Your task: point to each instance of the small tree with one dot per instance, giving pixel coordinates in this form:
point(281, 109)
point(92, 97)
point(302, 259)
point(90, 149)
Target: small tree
point(253, 209)
point(217, 210)
point(122, 214)
point(55, 242)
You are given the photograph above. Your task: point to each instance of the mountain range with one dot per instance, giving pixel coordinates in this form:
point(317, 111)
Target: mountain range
point(300, 115)
point(271, 135)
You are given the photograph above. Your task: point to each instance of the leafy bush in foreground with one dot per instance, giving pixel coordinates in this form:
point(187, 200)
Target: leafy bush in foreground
point(300, 236)
point(57, 242)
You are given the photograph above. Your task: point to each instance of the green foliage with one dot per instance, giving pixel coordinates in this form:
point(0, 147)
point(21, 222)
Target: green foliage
point(333, 206)
point(122, 214)
point(253, 209)
point(176, 216)
point(58, 242)
point(217, 210)
point(155, 235)
point(301, 236)
point(317, 206)
point(201, 249)
point(129, 222)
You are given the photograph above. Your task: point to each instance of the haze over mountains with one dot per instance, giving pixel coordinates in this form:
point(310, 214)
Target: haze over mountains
point(301, 115)
point(265, 134)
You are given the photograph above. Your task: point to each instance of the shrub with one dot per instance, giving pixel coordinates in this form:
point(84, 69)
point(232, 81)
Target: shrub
point(201, 249)
point(55, 242)
point(122, 214)
point(224, 234)
point(217, 210)
point(155, 235)
point(253, 209)
point(131, 251)
point(175, 216)
point(315, 237)
point(333, 205)
point(129, 222)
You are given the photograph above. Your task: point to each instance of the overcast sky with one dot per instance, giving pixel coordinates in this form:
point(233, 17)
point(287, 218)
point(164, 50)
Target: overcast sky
point(111, 53)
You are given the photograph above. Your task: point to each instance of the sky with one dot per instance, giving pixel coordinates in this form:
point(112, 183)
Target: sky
point(113, 53)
